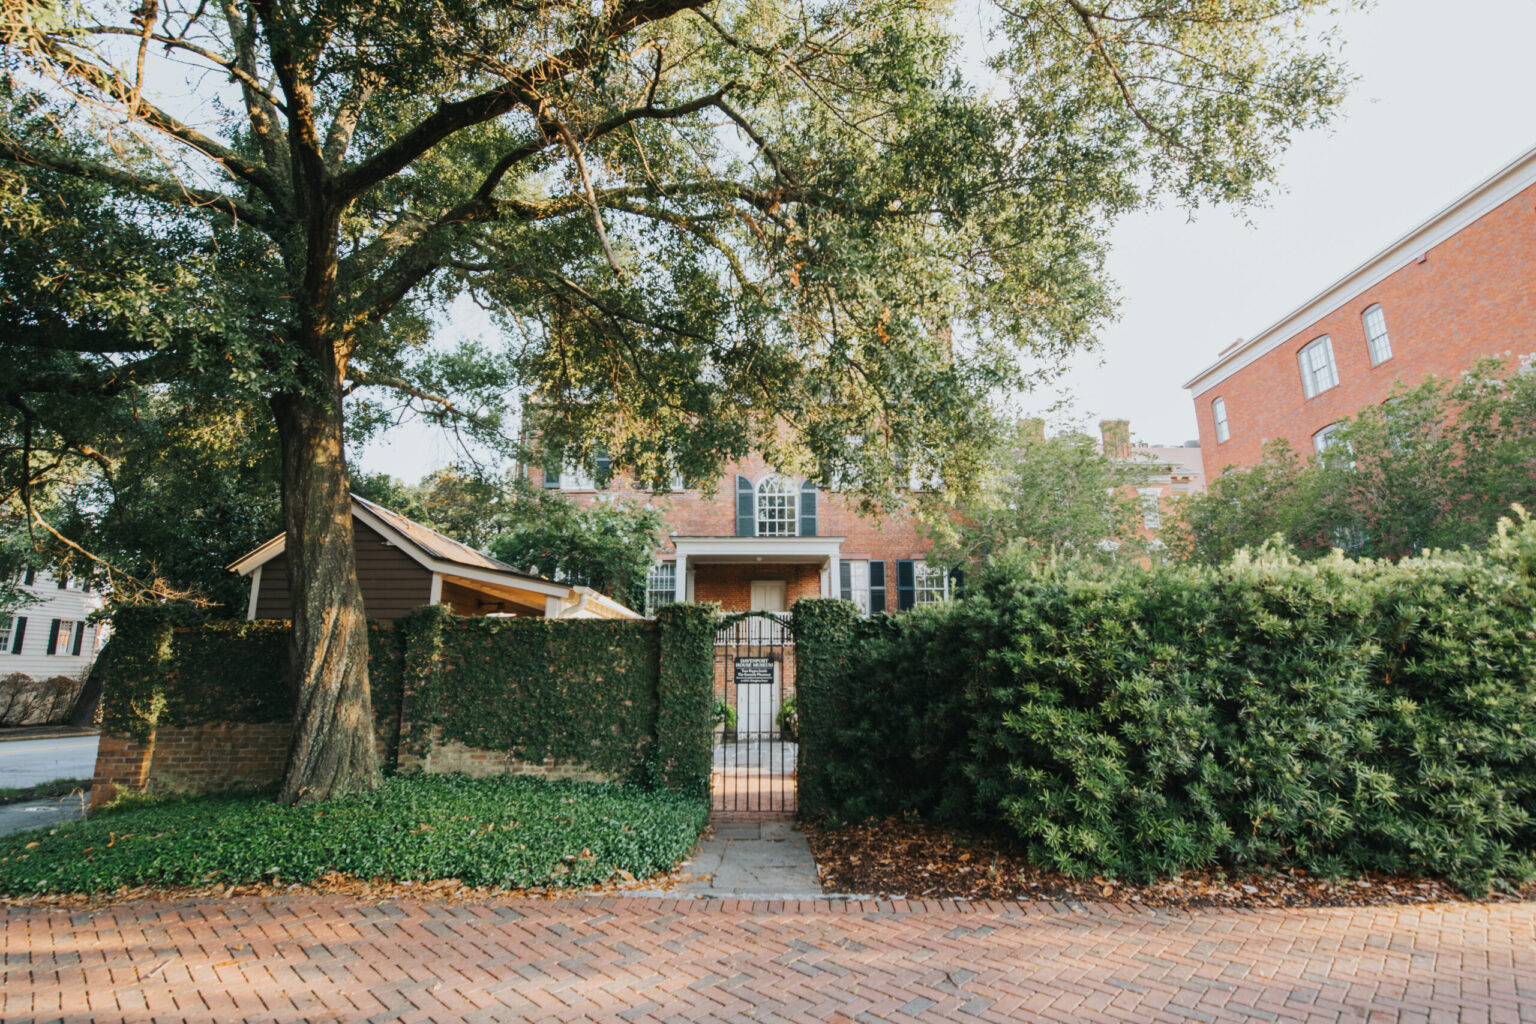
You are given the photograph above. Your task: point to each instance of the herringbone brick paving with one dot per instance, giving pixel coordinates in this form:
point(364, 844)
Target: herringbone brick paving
point(670, 960)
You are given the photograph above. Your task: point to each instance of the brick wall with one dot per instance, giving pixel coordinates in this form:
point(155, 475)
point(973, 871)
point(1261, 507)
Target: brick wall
point(443, 758)
point(731, 585)
point(1473, 295)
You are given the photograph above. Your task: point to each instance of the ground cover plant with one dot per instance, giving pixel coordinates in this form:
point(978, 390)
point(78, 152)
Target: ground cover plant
point(908, 859)
point(505, 831)
point(1334, 716)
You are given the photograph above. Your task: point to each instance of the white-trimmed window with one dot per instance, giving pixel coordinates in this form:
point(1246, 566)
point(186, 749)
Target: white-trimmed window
point(1324, 438)
point(1151, 512)
point(66, 643)
point(930, 584)
point(660, 587)
point(1318, 372)
point(7, 625)
point(1219, 414)
point(853, 584)
point(777, 515)
point(1376, 338)
point(576, 478)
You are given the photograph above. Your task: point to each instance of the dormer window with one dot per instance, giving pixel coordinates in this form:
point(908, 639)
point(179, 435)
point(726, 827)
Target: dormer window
point(776, 514)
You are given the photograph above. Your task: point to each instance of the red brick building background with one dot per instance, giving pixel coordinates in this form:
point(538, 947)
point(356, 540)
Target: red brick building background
point(1458, 287)
point(834, 552)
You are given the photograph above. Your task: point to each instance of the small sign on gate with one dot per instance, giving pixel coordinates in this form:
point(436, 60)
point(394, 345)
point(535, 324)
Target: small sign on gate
point(754, 670)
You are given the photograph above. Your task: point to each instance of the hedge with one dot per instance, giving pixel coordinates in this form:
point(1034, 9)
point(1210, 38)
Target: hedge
point(1335, 716)
point(629, 698)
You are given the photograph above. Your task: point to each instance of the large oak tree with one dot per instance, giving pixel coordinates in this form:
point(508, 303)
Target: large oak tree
point(706, 226)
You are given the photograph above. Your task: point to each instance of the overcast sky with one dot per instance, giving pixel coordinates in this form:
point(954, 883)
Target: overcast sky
point(1444, 99)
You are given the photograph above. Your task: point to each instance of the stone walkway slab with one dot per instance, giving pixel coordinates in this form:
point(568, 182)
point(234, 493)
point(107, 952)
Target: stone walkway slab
point(308, 959)
point(766, 859)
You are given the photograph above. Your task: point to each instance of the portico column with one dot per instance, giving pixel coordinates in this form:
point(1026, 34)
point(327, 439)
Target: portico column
point(834, 577)
point(681, 582)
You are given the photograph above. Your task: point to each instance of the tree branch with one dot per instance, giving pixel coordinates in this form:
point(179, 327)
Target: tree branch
point(161, 190)
point(486, 106)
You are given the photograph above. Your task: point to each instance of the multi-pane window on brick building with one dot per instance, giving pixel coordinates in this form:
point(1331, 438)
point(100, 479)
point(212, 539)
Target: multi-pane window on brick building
point(1318, 372)
point(854, 584)
point(930, 583)
point(660, 587)
point(1376, 338)
point(1219, 412)
point(1323, 438)
point(777, 515)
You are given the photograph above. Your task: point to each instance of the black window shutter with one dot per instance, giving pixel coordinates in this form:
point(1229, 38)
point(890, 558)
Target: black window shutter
point(30, 578)
point(746, 508)
point(808, 509)
point(63, 581)
point(53, 637)
point(21, 631)
point(906, 584)
point(845, 580)
point(604, 468)
point(79, 638)
point(957, 582)
point(877, 588)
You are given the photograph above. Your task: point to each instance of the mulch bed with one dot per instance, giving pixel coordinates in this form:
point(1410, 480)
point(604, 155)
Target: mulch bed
point(901, 858)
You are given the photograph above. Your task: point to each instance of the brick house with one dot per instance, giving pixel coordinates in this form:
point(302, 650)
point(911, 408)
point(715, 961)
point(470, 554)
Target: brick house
point(1164, 473)
point(766, 539)
point(1458, 287)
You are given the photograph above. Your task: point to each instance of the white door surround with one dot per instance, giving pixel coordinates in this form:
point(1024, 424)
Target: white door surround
point(770, 595)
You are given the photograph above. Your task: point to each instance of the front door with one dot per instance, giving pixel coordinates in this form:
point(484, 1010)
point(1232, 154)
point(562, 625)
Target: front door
point(769, 595)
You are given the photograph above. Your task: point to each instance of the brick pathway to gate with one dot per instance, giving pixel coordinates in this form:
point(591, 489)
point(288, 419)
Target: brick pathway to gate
point(660, 959)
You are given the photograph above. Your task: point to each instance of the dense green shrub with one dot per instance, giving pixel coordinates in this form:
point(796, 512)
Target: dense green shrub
point(630, 698)
point(579, 690)
point(1334, 715)
point(171, 667)
point(512, 832)
point(684, 754)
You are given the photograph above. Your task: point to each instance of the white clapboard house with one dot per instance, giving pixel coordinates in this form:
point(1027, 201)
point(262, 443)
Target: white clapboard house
point(50, 636)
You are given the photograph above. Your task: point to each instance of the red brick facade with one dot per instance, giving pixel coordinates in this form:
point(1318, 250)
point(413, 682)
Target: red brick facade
point(1460, 287)
point(691, 513)
point(201, 759)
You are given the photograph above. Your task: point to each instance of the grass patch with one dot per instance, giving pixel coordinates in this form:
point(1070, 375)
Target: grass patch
point(43, 790)
point(507, 832)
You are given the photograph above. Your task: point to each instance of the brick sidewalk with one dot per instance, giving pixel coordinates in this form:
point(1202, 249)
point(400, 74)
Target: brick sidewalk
point(331, 959)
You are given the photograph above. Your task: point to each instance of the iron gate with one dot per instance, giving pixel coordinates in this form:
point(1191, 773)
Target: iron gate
point(755, 720)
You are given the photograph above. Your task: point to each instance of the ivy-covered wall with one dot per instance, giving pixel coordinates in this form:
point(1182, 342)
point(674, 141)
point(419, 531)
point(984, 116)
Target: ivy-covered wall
point(616, 699)
point(1335, 716)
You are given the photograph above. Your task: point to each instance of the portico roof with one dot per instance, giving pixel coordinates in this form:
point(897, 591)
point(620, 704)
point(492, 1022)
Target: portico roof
point(820, 551)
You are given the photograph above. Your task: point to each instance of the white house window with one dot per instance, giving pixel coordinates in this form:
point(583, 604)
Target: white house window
point(660, 587)
point(1376, 335)
point(1318, 372)
point(1219, 412)
point(67, 628)
point(6, 624)
point(1323, 438)
point(1151, 515)
point(576, 478)
point(854, 584)
point(776, 512)
point(930, 583)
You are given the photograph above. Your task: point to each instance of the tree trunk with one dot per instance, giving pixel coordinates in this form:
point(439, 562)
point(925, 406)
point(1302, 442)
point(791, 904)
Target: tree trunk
point(332, 752)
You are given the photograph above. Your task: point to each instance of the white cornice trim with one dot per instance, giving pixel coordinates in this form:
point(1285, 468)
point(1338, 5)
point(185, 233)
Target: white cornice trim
point(1483, 199)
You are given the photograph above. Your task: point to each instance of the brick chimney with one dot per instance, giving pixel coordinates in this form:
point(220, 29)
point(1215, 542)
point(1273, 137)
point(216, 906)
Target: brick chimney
point(1117, 438)
point(1033, 428)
